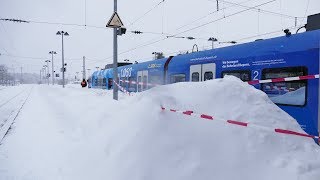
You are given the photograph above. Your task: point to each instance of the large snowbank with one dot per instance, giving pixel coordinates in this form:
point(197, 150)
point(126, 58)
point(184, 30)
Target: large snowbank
point(83, 134)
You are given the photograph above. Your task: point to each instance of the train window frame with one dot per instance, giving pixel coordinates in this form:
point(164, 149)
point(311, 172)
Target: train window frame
point(145, 82)
point(139, 89)
point(204, 76)
point(175, 75)
point(287, 69)
point(110, 83)
point(198, 77)
point(237, 71)
point(132, 86)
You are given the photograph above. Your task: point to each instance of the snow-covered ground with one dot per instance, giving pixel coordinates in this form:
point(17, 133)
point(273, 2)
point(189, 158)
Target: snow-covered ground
point(76, 133)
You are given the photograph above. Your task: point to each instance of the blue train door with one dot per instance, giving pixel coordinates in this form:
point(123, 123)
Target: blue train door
point(142, 81)
point(202, 72)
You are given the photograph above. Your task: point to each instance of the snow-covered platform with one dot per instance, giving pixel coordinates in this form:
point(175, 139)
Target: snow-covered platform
point(79, 133)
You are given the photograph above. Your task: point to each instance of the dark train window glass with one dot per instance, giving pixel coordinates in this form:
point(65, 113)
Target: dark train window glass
point(243, 75)
point(104, 83)
point(132, 87)
point(177, 78)
point(139, 81)
point(195, 77)
point(155, 79)
point(145, 82)
point(286, 93)
point(110, 83)
point(208, 76)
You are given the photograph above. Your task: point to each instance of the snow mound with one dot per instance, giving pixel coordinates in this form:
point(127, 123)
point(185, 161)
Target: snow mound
point(146, 143)
point(80, 133)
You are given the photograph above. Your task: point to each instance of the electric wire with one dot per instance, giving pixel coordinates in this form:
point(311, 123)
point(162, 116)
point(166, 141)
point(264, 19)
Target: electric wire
point(233, 14)
point(207, 15)
point(261, 10)
point(147, 12)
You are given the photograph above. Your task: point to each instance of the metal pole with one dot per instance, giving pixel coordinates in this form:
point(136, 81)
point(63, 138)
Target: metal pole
point(217, 5)
point(212, 44)
point(115, 57)
point(48, 71)
point(84, 68)
point(52, 69)
point(21, 76)
point(40, 78)
point(62, 62)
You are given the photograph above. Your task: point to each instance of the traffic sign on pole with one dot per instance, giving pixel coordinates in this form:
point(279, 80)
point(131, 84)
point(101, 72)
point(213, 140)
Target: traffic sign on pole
point(115, 21)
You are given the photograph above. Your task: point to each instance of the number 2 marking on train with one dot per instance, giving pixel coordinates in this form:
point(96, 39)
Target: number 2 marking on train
point(255, 75)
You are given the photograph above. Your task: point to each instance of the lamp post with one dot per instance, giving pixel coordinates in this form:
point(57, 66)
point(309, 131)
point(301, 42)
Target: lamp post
point(48, 74)
point(213, 40)
point(52, 67)
point(88, 72)
point(40, 76)
point(44, 71)
point(77, 76)
point(62, 33)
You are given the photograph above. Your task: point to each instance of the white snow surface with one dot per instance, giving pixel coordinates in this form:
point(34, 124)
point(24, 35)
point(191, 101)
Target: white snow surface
point(76, 133)
point(296, 97)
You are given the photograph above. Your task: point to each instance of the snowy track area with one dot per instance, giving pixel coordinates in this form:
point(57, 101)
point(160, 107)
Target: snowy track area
point(76, 133)
point(11, 101)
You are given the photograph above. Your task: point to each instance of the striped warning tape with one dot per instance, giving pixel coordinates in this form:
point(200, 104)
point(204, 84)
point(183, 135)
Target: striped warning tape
point(240, 123)
point(122, 89)
point(253, 82)
point(297, 78)
point(139, 83)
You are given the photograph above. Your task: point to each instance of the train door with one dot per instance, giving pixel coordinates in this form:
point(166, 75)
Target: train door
point(202, 72)
point(195, 73)
point(142, 80)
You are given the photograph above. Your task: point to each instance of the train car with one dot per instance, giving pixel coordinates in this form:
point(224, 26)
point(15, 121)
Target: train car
point(281, 57)
point(135, 77)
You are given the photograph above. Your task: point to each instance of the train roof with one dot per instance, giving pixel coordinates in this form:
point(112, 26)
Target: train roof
point(277, 45)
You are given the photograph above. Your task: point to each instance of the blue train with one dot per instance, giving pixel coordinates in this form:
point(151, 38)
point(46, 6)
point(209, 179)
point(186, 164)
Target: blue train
point(280, 57)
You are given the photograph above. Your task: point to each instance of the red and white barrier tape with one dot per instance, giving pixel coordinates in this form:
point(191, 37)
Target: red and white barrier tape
point(139, 83)
point(297, 78)
point(253, 82)
point(122, 89)
point(240, 123)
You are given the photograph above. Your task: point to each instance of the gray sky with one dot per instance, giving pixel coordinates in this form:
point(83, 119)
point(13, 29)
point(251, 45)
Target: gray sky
point(28, 44)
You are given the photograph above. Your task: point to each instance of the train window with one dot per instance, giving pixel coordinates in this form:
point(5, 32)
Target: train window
point(104, 83)
point(195, 77)
point(132, 86)
point(121, 83)
point(208, 76)
point(155, 79)
point(139, 85)
point(286, 93)
point(145, 82)
point(110, 82)
point(243, 75)
point(177, 78)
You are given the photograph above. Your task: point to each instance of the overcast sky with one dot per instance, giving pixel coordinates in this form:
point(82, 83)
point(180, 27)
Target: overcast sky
point(27, 45)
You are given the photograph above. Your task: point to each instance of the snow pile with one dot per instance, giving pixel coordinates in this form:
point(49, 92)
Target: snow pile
point(296, 97)
point(86, 135)
point(164, 145)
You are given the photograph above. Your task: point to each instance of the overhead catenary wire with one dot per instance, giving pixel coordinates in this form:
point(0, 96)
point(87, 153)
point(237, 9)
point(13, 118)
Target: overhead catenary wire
point(146, 13)
point(227, 16)
point(261, 10)
point(207, 15)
